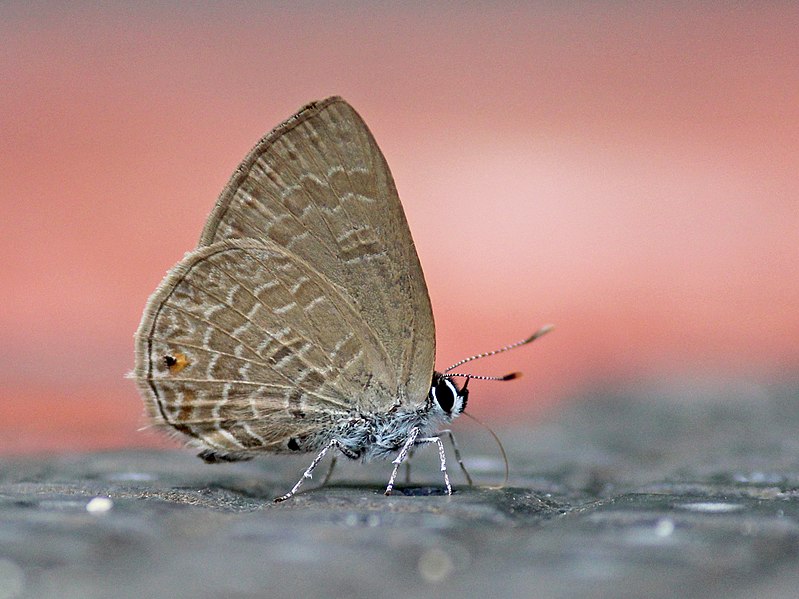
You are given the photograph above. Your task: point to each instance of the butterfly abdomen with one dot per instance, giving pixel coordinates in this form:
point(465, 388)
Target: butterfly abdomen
point(366, 436)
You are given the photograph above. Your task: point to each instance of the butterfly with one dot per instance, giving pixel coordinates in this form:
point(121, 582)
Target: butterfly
point(302, 321)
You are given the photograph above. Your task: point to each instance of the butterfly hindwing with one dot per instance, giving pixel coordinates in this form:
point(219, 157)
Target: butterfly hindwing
point(244, 344)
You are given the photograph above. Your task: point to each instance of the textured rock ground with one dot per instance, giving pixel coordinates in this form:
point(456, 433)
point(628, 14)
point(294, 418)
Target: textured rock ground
point(676, 494)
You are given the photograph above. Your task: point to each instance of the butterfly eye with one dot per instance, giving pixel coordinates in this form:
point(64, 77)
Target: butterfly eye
point(444, 392)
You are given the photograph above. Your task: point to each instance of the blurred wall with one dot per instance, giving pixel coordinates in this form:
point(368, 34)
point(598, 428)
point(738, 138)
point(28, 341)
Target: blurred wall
point(625, 170)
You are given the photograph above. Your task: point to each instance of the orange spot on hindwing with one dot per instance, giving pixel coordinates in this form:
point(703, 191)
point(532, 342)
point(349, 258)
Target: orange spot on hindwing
point(176, 362)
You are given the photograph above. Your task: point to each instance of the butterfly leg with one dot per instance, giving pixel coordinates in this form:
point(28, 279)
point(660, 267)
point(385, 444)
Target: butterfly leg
point(401, 458)
point(406, 449)
point(309, 471)
point(329, 472)
point(408, 467)
point(441, 455)
point(458, 455)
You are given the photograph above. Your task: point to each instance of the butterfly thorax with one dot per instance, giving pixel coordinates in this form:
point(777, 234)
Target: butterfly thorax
point(372, 436)
point(380, 436)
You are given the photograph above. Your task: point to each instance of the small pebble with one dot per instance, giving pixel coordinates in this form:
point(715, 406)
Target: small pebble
point(99, 505)
point(664, 527)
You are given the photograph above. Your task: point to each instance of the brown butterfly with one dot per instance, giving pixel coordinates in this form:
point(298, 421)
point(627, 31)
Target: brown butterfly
point(302, 322)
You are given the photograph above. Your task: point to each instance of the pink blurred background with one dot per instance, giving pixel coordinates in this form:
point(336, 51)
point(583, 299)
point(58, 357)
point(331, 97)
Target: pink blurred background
point(625, 170)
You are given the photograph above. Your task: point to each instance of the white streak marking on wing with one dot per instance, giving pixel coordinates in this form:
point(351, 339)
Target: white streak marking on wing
point(284, 309)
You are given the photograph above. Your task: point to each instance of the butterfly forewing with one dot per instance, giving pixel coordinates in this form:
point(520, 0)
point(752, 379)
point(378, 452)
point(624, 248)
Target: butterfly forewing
point(319, 187)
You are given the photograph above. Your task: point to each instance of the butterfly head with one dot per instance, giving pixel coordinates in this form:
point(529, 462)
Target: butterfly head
point(446, 396)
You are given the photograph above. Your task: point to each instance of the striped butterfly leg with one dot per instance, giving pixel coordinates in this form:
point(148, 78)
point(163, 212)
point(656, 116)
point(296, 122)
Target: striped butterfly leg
point(458, 459)
point(334, 443)
point(413, 439)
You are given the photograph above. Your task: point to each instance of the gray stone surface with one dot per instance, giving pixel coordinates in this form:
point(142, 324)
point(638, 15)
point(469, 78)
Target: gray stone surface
point(675, 494)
